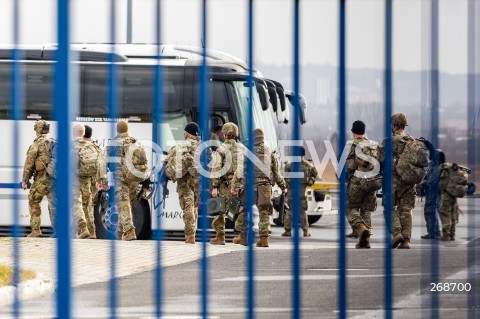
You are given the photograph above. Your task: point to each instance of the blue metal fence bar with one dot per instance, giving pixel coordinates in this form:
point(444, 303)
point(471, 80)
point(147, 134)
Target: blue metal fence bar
point(16, 114)
point(434, 125)
point(387, 184)
point(63, 185)
point(473, 117)
point(157, 122)
point(250, 179)
point(342, 100)
point(203, 116)
point(297, 289)
point(113, 114)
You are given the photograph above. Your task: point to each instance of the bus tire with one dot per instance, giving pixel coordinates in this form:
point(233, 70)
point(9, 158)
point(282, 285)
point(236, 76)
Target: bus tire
point(313, 219)
point(142, 219)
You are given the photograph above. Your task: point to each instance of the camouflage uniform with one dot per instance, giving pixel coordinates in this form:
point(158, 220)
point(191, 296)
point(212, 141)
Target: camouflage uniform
point(309, 173)
point(403, 193)
point(125, 191)
point(88, 206)
point(224, 183)
point(448, 204)
point(360, 204)
point(263, 186)
point(42, 183)
point(187, 189)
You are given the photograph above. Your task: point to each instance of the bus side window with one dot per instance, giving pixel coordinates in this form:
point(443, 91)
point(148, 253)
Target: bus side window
point(5, 91)
point(39, 90)
point(95, 95)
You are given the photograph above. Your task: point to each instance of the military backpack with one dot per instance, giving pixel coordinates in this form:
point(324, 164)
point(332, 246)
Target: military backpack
point(46, 155)
point(88, 160)
point(364, 160)
point(412, 163)
point(183, 162)
point(457, 181)
point(134, 161)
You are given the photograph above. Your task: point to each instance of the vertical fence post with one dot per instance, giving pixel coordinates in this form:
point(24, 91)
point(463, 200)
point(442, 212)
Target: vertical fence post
point(17, 103)
point(62, 107)
point(387, 183)
point(473, 116)
point(203, 116)
point(113, 114)
point(250, 179)
point(156, 127)
point(296, 186)
point(342, 101)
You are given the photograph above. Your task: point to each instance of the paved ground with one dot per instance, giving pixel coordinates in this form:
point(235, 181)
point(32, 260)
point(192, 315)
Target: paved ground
point(227, 285)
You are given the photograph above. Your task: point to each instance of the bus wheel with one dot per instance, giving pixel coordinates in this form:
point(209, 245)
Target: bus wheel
point(142, 219)
point(314, 219)
point(106, 220)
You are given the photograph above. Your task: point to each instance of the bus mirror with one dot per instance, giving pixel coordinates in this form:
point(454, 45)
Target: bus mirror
point(272, 94)
point(302, 103)
point(280, 93)
point(286, 115)
point(280, 116)
point(263, 94)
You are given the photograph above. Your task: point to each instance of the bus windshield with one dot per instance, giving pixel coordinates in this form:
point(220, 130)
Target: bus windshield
point(261, 119)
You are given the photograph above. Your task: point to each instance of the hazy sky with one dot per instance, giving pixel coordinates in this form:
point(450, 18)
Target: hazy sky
point(227, 26)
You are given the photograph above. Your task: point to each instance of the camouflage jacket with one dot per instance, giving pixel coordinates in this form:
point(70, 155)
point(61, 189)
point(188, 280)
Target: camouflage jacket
point(310, 173)
point(267, 170)
point(228, 156)
point(35, 154)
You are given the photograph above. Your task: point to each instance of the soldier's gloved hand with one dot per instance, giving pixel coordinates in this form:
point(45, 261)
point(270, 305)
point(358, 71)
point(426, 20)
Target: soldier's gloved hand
point(24, 185)
point(234, 191)
point(214, 192)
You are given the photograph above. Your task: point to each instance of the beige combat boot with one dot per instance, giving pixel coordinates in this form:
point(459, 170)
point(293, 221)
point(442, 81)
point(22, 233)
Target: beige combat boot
point(306, 233)
point(363, 236)
point(240, 240)
point(218, 240)
point(84, 233)
point(35, 233)
point(190, 239)
point(263, 242)
point(397, 240)
point(287, 233)
point(405, 244)
point(130, 235)
point(445, 237)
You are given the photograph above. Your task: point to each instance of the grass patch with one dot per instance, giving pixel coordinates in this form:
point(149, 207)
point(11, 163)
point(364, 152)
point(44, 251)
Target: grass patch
point(6, 275)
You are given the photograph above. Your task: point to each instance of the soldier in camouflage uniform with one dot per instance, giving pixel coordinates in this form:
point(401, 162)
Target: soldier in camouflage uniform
point(38, 158)
point(227, 157)
point(309, 175)
point(448, 207)
point(83, 193)
point(266, 174)
point(125, 191)
point(403, 193)
point(96, 182)
point(360, 204)
point(188, 185)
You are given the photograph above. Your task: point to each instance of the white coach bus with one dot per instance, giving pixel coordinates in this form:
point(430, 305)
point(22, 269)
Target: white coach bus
point(228, 95)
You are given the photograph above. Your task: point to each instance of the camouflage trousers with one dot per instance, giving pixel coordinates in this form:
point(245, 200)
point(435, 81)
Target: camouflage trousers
point(403, 205)
point(360, 205)
point(82, 198)
point(89, 205)
point(448, 213)
point(264, 212)
point(42, 186)
point(218, 222)
point(188, 197)
point(287, 218)
point(125, 193)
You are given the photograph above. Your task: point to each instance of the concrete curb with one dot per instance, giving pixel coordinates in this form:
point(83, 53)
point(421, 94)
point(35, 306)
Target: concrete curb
point(26, 290)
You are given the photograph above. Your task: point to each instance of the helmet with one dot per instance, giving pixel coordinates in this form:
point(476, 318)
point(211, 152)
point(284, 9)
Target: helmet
point(399, 119)
point(230, 129)
point(41, 127)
